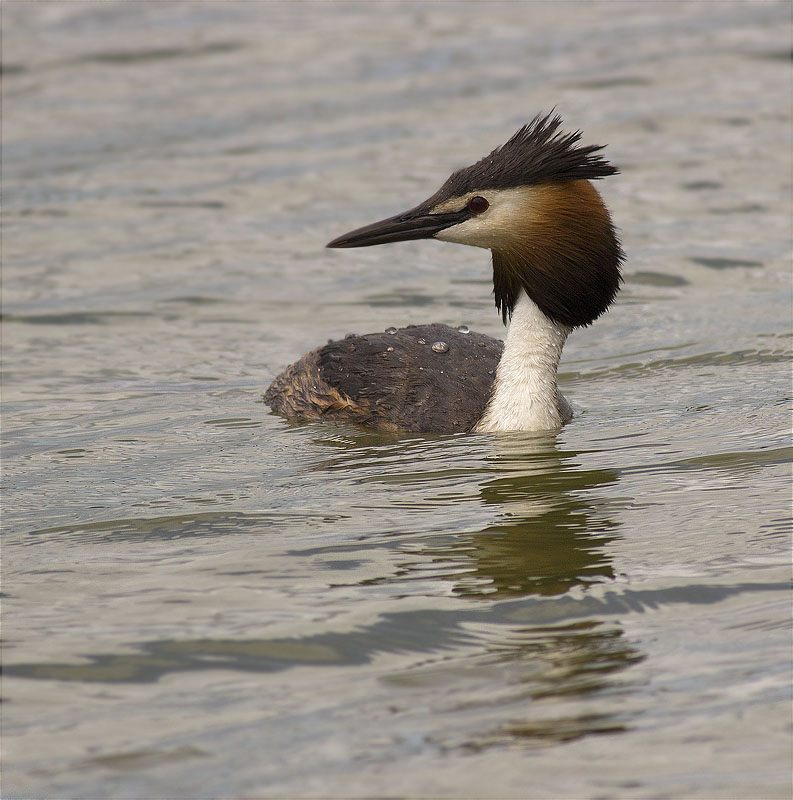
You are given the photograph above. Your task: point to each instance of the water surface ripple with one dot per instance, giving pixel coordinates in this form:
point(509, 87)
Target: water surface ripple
point(204, 600)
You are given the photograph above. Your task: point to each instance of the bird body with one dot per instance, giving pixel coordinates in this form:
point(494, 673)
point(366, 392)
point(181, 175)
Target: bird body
point(420, 379)
point(556, 266)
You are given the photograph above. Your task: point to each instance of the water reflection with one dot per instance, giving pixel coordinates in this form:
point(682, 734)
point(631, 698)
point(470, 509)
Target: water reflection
point(548, 531)
point(550, 535)
point(549, 654)
point(572, 666)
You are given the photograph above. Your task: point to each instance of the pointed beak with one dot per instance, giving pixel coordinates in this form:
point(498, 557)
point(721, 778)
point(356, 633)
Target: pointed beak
point(414, 224)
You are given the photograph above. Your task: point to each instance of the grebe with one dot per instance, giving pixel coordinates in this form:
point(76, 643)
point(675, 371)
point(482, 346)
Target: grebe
point(556, 266)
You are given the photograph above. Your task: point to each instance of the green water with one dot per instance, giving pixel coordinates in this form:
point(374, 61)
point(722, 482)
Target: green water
point(204, 600)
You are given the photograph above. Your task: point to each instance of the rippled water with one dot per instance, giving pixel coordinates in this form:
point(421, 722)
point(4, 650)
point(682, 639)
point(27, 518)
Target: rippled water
point(204, 600)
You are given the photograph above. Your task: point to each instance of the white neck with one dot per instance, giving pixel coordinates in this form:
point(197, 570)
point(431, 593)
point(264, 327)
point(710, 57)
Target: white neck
point(525, 396)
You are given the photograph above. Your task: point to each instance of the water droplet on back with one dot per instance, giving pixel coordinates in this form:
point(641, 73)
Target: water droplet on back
point(440, 347)
point(422, 340)
point(391, 330)
point(463, 329)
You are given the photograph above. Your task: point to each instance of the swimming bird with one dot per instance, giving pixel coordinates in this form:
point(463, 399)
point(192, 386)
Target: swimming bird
point(556, 266)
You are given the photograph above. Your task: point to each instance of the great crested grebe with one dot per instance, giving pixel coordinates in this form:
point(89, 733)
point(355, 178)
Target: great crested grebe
point(556, 266)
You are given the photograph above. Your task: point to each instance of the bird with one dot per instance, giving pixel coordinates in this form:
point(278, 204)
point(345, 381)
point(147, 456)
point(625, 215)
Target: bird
point(556, 261)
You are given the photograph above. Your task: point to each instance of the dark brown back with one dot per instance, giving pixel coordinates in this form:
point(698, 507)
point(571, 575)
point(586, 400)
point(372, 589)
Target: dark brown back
point(394, 381)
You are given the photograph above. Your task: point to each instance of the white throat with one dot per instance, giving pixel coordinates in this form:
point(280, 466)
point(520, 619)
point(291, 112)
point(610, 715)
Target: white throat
point(525, 396)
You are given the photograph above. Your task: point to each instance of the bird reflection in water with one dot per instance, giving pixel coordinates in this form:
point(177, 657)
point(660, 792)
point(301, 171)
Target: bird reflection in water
point(549, 536)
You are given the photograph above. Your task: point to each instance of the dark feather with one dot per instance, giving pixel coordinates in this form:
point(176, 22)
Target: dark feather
point(393, 381)
point(538, 153)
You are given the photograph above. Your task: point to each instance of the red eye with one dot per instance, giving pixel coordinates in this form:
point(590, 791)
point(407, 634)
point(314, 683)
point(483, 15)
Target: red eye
point(478, 204)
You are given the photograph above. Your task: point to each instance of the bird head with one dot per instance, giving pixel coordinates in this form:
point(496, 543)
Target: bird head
point(532, 204)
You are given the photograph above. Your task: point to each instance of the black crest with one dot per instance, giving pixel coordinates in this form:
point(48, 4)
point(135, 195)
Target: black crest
point(537, 153)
